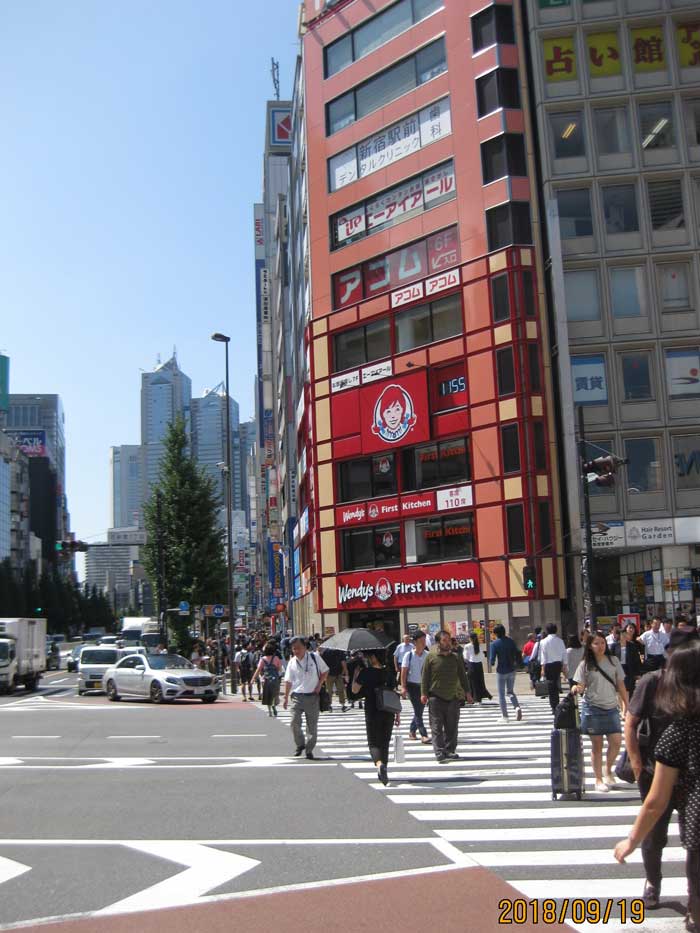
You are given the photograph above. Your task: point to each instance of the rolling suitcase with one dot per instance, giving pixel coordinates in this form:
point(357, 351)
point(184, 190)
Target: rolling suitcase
point(567, 766)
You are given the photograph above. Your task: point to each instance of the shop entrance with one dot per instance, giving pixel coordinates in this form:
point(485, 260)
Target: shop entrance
point(387, 622)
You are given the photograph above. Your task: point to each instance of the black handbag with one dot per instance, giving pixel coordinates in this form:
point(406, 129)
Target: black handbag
point(541, 688)
point(324, 700)
point(565, 715)
point(623, 768)
point(387, 701)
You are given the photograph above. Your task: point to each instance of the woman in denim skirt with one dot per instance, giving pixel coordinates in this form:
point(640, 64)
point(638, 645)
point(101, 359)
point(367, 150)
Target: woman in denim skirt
point(601, 681)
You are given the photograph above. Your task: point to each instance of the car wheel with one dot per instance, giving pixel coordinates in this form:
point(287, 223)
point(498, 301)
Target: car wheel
point(112, 691)
point(156, 693)
point(209, 699)
point(81, 693)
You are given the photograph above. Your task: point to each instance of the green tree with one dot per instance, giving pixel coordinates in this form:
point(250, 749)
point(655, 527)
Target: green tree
point(194, 564)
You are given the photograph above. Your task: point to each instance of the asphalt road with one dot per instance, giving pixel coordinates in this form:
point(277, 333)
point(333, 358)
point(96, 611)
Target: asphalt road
point(114, 807)
point(102, 801)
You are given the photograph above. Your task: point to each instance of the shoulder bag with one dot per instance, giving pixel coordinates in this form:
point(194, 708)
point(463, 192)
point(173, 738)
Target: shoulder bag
point(324, 698)
point(387, 701)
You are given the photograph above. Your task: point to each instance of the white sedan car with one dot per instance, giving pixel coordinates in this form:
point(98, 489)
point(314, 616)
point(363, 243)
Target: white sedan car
point(160, 678)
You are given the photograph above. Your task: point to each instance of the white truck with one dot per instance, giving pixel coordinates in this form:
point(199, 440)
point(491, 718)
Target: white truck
point(132, 629)
point(22, 653)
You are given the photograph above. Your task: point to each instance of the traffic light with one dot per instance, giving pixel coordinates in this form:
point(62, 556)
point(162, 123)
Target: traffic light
point(529, 579)
point(602, 470)
point(67, 548)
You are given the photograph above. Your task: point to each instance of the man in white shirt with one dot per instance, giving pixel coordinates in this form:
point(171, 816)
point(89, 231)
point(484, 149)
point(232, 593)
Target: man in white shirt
point(655, 642)
point(552, 657)
point(411, 672)
point(304, 677)
point(404, 648)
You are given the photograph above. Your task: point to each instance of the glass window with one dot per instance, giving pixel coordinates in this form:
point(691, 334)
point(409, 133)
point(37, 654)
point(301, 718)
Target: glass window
point(666, 205)
point(529, 301)
point(505, 370)
point(341, 112)
point(582, 295)
point(508, 223)
point(683, 373)
point(620, 209)
point(349, 349)
point(675, 289)
point(644, 467)
point(567, 135)
point(381, 28)
point(383, 475)
point(338, 55)
point(413, 328)
point(686, 460)
point(515, 524)
point(358, 549)
point(692, 121)
point(355, 480)
point(492, 25)
point(627, 293)
point(612, 131)
point(386, 87)
point(656, 125)
point(500, 297)
point(636, 377)
point(387, 546)
point(436, 464)
point(447, 317)
point(378, 340)
point(510, 444)
point(361, 345)
point(539, 445)
point(575, 219)
point(444, 538)
point(503, 155)
point(533, 359)
point(498, 88)
point(431, 61)
point(423, 8)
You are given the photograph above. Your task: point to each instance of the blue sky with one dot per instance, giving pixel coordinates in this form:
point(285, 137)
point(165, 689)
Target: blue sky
point(131, 156)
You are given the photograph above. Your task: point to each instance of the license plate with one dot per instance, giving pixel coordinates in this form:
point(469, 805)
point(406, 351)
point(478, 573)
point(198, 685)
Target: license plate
point(94, 683)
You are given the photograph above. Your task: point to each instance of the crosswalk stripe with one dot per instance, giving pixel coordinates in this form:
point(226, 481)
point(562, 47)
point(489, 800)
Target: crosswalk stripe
point(497, 795)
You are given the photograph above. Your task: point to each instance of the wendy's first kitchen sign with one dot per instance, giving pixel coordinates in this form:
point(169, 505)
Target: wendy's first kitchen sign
point(431, 585)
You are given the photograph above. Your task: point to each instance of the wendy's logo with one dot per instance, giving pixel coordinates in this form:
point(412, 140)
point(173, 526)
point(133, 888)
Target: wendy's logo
point(394, 415)
point(383, 589)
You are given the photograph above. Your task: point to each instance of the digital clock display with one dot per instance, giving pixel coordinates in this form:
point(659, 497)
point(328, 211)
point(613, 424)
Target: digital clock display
point(452, 386)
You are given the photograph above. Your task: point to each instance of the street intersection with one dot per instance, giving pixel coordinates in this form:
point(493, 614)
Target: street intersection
point(116, 807)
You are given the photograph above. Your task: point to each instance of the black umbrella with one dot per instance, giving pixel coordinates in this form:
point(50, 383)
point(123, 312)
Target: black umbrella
point(357, 639)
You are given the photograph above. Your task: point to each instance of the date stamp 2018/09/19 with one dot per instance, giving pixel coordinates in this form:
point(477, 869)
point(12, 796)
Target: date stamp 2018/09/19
point(578, 910)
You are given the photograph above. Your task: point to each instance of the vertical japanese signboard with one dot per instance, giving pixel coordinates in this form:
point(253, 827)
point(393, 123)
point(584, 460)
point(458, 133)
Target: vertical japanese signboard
point(259, 234)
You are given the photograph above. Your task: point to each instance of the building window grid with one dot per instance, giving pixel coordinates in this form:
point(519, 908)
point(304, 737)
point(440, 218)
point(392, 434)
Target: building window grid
point(403, 76)
point(345, 50)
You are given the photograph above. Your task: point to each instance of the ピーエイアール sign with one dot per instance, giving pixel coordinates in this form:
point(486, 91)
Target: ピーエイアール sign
point(430, 585)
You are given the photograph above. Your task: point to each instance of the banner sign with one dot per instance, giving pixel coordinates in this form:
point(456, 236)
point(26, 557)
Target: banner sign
point(394, 413)
point(410, 586)
point(31, 443)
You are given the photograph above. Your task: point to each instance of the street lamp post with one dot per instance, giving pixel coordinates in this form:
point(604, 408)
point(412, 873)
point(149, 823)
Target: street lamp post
point(222, 338)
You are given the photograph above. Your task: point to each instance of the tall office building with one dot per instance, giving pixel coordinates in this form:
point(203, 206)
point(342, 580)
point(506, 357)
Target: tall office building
point(209, 442)
point(248, 435)
point(165, 393)
point(431, 474)
point(37, 425)
point(126, 470)
point(616, 97)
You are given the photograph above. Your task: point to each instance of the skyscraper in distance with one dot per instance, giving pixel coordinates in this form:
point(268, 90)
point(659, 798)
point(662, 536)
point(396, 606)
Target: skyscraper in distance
point(166, 393)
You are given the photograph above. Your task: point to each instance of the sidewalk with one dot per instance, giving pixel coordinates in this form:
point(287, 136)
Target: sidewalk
point(455, 901)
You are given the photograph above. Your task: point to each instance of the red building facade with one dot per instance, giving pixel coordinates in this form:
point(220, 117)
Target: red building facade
point(426, 440)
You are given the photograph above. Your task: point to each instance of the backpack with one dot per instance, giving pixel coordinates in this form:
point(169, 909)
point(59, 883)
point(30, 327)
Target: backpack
point(270, 671)
point(245, 662)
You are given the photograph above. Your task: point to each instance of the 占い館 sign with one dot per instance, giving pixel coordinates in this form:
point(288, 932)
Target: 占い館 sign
point(432, 585)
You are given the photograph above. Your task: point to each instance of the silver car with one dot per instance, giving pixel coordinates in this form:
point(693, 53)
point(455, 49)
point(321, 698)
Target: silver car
point(92, 663)
point(160, 678)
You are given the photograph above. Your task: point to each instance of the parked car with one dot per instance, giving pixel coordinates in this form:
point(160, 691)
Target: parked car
point(93, 662)
point(73, 660)
point(160, 678)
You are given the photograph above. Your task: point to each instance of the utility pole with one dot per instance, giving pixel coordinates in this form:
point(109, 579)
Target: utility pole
point(160, 578)
point(587, 561)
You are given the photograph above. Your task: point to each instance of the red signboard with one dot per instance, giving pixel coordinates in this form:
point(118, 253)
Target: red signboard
point(419, 503)
point(431, 585)
point(354, 513)
point(382, 510)
point(394, 413)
